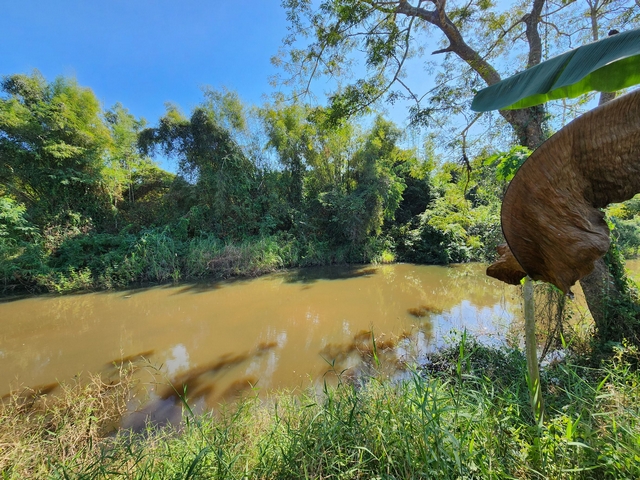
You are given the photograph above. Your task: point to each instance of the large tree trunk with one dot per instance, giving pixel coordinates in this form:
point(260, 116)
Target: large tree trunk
point(614, 307)
point(527, 124)
point(601, 292)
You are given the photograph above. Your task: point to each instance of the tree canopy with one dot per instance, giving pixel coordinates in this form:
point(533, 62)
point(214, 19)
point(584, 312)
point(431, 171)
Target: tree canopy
point(52, 139)
point(476, 42)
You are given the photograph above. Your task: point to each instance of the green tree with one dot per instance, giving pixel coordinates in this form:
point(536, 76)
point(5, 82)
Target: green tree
point(379, 185)
point(292, 137)
point(462, 221)
point(354, 185)
point(213, 162)
point(124, 160)
point(390, 33)
point(52, 146)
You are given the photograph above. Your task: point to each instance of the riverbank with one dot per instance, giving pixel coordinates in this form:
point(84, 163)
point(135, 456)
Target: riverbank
point(468, 419)
point(105, 262)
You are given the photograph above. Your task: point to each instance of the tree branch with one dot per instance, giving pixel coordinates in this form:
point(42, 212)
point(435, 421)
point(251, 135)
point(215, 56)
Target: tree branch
point(531, 20)
point(457, 45)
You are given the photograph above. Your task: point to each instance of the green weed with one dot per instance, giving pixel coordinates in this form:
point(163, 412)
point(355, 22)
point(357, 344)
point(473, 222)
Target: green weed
point(468, 418)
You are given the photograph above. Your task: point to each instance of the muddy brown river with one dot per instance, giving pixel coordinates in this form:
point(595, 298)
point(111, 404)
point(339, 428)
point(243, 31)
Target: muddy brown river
point(285, 330)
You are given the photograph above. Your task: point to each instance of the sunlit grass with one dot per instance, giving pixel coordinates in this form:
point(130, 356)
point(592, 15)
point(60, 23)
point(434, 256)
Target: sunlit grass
point(465, 416)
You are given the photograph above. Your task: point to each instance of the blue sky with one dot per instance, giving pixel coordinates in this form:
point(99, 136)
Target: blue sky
point(144, 53)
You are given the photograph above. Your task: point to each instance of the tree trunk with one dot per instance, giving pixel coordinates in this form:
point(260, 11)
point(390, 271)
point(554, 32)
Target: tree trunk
point(527, 124)
point(600, 292)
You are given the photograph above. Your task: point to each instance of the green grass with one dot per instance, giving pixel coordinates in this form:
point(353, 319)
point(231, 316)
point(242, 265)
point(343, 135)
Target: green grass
point(464, 416)
point(106, 261)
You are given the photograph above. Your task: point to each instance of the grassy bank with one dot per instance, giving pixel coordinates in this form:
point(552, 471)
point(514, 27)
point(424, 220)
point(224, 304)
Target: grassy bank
point(105, 261)
point(464, 415)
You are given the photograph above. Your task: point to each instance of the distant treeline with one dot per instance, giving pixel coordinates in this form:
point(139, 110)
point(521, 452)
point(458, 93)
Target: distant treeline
point(83, 205)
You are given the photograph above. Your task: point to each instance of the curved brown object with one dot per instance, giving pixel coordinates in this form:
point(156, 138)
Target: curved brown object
point(506, 267)
point(550, 214)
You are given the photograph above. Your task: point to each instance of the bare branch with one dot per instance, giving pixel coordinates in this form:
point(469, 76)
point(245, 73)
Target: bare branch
point(442, 50)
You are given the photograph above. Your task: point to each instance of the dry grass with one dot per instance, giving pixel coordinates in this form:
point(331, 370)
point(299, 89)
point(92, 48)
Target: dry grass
point(65, 426)
point(469, 420)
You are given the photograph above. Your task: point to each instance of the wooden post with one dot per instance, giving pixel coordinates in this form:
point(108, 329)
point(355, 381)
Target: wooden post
point(531, 349)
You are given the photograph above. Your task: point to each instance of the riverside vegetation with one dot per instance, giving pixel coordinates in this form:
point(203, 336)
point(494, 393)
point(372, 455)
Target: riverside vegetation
point(464, 415)
point(83, 206)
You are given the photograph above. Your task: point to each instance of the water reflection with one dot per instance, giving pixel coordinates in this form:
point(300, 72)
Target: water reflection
point(127, 359)
point(218, 339)
point(203, 381)
point(424, 311)
point(314, 274)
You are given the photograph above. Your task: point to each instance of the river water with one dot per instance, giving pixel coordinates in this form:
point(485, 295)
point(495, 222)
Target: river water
point(285, 330)
point(275, 331)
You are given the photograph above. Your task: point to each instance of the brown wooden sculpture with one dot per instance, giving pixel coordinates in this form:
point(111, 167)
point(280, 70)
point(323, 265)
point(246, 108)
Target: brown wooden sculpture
point(551, 216)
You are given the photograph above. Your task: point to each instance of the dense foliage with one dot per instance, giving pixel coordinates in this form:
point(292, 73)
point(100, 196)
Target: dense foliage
point(83, 205)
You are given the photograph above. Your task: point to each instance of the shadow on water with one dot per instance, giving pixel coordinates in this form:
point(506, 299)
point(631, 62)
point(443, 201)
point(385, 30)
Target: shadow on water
point(200, 381)
point(389, 354)
point(14, 297)
point(199, 287)
point(30, 394)
point(165, 411)
point(310, 275)
point(120, 362)
point(206, 285)
point(202, 286)
point(198, 385)
point(361, 344)
point(306, 275)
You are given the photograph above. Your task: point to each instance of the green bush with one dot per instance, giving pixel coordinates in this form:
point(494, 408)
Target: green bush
point(627, 233)
point(69, 280)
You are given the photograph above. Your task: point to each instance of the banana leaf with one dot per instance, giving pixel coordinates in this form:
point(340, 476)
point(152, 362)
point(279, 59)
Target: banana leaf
point(607, 65)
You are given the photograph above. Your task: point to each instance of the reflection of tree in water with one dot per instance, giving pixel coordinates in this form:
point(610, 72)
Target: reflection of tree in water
point(313, 274)
point(392, 353)
point(442, 288)
point(124, 361)
point(202, 387)
point(470, 282)
point(74, 310)
point(424, 311)
point(33, 326)
point(202, 382)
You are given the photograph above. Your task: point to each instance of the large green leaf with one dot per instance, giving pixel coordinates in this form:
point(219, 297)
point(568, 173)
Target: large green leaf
point(606, 66)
